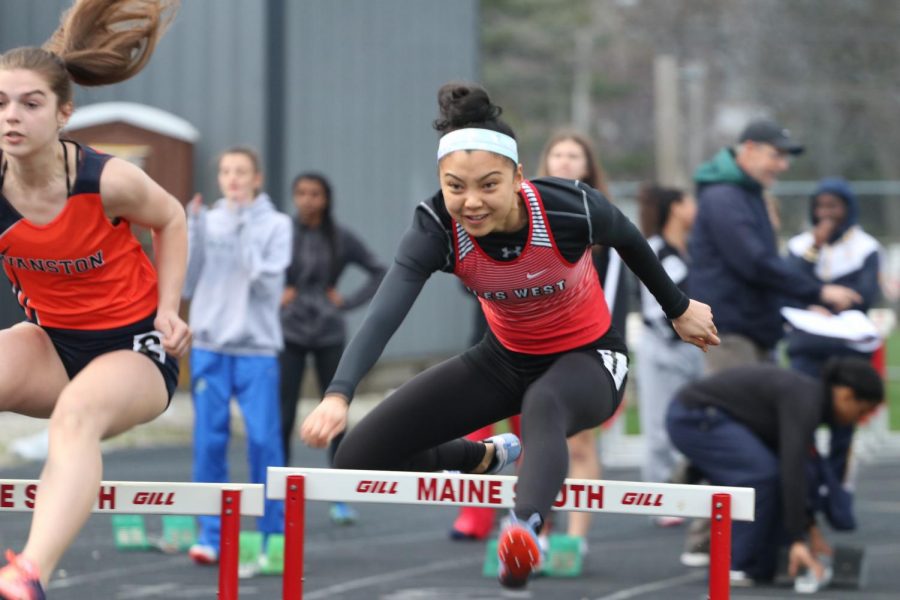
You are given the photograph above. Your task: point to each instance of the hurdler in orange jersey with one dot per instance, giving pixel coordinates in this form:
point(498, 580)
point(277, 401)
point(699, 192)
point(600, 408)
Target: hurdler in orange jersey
point(99, 352)
point(80, 270)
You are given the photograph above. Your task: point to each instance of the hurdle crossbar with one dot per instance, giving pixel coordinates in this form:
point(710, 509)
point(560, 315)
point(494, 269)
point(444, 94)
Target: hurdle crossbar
point(229, 500)
point(297, 485)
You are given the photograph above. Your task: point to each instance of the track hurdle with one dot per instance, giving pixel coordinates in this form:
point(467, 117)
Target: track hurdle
point(229, 500)
point(296, 486)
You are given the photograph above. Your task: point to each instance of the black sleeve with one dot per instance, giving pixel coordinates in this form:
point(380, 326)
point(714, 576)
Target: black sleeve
point(609, 227)
point(357, 253)
point(422, 251)
point(796, 425)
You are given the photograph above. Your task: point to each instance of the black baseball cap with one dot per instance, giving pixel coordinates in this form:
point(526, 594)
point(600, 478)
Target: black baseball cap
point(770, 132)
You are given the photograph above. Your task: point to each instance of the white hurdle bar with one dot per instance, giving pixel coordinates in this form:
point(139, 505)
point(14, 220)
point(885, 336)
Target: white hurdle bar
point(296, 486)
point(229, 500)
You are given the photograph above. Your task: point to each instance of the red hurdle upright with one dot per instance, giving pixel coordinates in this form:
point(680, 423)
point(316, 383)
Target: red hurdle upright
point(720, 548)
point(294, 533)
point(229, 544)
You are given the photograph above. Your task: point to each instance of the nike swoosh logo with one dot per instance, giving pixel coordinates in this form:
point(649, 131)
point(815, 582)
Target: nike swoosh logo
point(533, 275)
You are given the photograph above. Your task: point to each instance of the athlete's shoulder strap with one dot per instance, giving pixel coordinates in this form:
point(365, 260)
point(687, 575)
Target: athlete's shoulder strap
point(90, 167)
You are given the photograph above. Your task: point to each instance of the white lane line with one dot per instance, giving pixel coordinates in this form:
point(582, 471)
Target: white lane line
point(313, 546)
point(95, 576)
point(364, 582)
point(655, 586)
point(880, 506)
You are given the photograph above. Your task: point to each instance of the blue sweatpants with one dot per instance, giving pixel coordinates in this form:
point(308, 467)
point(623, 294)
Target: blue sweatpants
point(728, 453)
point(253, 381)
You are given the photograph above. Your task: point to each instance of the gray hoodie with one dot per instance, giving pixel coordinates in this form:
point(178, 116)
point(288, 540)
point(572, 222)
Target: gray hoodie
point(235, 276)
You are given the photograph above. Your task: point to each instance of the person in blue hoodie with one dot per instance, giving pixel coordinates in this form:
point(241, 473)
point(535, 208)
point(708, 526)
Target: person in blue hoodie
point(834, 250)
point(238, 252)
point(735, 267)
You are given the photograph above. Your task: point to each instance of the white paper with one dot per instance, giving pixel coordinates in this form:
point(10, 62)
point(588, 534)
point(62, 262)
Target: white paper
point(851, 325)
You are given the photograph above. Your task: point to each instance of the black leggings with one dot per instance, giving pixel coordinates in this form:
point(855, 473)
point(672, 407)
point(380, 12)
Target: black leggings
point(293, 364)
point(421, 425)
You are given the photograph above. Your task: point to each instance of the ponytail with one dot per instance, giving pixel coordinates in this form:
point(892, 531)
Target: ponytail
point(98, 42)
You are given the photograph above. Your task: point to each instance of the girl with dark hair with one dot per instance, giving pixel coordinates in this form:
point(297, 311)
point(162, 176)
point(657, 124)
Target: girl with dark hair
point(98, 352)
point(312, 310)
point(549, 353)
point(754, 426)
point(570, 155)
point(239, 249)
point(663, 364)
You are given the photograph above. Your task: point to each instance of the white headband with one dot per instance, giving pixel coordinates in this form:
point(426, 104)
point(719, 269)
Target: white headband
point(478, 139)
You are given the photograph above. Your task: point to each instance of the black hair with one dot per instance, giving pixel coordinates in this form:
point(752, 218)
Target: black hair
point(857, 374)
point(654, 206)
point(465, 105)
point(328, 226)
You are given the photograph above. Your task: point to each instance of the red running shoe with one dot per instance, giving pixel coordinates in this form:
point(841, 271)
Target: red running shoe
point(20, 579)
point(519, 551)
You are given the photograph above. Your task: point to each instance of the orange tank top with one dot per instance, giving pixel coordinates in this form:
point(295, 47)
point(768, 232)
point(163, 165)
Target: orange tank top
point(79, 271)
point(537, 303)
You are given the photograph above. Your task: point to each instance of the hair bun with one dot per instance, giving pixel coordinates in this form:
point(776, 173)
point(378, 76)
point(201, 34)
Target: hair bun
point(462, 105)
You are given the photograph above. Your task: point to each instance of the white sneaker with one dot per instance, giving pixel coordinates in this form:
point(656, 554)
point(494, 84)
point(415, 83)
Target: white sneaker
point(739, 579)
point(668, 521)
point(695, 559)
point(507, 449)
point(808, 583)
point(203, 554)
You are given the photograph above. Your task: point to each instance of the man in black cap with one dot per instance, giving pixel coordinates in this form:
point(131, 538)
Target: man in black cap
point(735, 264)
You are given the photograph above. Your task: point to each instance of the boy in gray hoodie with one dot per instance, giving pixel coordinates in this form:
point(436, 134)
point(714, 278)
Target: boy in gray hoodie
point(238, 252)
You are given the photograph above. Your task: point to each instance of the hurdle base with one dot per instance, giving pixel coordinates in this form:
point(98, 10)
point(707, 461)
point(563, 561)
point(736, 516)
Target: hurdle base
point(253, 560)
point(563, 558)
point(130, 533)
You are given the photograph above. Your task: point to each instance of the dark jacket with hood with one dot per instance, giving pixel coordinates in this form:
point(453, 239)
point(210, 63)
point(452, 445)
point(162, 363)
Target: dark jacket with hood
point(851, 257)
point(735, 266)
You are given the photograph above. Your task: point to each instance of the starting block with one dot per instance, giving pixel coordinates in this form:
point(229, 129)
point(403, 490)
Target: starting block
point(253, 561)
point(130, 533)
point(563, 558)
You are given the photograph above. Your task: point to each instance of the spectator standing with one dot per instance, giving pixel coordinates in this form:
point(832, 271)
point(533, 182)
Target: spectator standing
point(238, 252)
point(835, 250)
point(571, 155)
point(664, 364)
point(312, 310)
point(735, 266)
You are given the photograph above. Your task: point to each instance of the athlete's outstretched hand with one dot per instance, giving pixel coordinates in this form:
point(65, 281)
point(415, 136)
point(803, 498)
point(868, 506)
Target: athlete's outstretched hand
point(327, 420)
point(176, 333)
point(695, 326)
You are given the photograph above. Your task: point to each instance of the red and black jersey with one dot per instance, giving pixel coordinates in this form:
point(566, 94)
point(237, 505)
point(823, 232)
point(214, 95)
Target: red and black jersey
point(538, 302)
point(80, 270)
point(547, 263)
